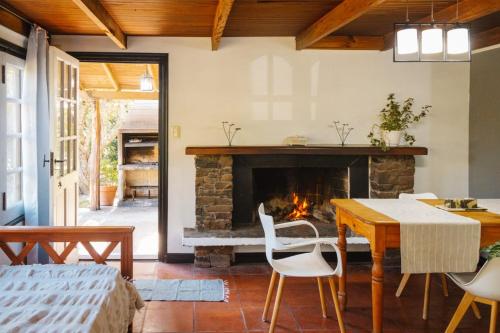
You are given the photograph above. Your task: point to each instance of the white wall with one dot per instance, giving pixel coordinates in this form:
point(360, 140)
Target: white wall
point(273, 91)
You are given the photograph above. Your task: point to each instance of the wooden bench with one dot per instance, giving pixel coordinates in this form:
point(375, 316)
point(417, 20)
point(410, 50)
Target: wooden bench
point(142, 187)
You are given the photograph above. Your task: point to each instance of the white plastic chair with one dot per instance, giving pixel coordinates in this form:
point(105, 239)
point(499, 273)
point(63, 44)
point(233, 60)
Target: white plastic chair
point(311, 264)
point(482, 287)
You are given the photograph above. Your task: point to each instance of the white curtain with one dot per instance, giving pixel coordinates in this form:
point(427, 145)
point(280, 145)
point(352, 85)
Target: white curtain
point(35, 126)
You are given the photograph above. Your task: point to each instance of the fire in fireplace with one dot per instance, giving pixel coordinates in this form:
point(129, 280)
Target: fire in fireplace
point(301, 208)
point(300, 193)
point(295, 187)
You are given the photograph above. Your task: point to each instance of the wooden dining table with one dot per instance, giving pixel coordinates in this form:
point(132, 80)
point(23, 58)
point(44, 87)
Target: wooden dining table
point(383, 233)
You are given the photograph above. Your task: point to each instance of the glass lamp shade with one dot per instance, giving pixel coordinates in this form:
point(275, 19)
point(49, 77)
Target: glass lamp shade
point(146, 82)
point(432, 41)
point(407, 41)
point(457, 41)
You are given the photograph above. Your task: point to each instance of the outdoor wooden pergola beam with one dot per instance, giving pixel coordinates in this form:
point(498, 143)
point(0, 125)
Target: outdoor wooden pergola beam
point(98, 14)
point(468, 10)
point(344, 13)
point(151, 72)
point(130, 95)
point(111, 76)
point(220, 20)
point(95, 157)
point(349, 43)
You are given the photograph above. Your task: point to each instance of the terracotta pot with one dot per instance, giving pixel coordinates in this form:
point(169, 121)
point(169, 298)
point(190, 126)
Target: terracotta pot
point(107, 195)
point(392, 138)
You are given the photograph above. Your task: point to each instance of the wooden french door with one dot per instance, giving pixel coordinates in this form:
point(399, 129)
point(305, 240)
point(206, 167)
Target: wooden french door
point(63, 105)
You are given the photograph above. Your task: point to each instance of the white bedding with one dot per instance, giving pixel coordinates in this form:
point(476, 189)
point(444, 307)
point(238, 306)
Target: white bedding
point(66, 298)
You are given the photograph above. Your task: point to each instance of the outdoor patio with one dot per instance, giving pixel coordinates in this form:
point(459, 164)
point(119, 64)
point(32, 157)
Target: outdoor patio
point(140, 214)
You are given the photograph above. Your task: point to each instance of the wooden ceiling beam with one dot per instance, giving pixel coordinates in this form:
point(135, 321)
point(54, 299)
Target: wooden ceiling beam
point(344, 13)
point(98, 14)
point(485, 38)
point(111, 76)
point(123, 94)
point(349, 43)
point(220, 20)
point(468, 10)
point(13, 22)
point(152, 72)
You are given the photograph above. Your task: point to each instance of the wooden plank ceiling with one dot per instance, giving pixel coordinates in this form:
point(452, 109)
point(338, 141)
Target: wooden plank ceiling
point(117, 81)
point(324, 24)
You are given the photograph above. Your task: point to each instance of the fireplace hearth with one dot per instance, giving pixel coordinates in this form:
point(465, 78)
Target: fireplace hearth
point(300, 193)
point(295, 187)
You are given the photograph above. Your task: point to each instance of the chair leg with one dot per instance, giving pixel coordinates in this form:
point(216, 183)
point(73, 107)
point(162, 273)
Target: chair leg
point(402, 284)
point(493, 318)
point(269, 295)
point(427, 291)
point(476, 311)
point(459, 313)
point(444, 284)
point(277, 302)
point(322, 297)
point(336, 303)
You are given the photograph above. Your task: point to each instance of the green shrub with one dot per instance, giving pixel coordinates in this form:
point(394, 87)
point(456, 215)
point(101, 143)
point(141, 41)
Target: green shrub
point(109, 163)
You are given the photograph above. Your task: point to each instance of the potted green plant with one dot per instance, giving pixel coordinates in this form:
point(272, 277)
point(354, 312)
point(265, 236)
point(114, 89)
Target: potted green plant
point(395, 119)
point(109, 173)
point(492, 251)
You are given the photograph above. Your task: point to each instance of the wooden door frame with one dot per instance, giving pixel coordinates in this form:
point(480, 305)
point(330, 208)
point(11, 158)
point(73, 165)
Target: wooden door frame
point(162, 60)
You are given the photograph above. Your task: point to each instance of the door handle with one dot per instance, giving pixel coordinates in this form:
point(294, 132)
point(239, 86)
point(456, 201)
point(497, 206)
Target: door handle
point(45, 161)
point(4, 201)
point(59, 185)
point(59, 161)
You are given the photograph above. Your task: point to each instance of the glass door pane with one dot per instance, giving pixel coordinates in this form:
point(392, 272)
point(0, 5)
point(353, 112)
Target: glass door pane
point(13, 117)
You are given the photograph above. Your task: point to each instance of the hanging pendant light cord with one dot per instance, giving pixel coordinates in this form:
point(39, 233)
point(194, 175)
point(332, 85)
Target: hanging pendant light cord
point(407, 16)
point(432, 11)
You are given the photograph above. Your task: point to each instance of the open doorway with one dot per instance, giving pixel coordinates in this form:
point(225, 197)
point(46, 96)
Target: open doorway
point(119, 151)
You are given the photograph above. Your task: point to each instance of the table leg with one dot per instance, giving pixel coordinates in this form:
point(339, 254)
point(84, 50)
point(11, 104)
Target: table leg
point(377, 291)
point(342, 244)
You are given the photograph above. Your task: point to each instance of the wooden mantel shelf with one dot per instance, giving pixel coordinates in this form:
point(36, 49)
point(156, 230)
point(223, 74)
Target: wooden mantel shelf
point(305, 150)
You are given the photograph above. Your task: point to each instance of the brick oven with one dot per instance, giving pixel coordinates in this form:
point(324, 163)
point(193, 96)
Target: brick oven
point(292, 182)
point(138, 155)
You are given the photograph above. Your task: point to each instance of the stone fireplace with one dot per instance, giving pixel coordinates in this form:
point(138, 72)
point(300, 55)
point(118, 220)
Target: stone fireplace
point(292, 182)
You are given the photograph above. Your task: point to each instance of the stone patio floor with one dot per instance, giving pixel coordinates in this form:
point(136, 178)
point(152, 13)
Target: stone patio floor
point(143, 217)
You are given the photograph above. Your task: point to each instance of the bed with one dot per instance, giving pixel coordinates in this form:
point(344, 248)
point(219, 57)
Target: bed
point(59, 297)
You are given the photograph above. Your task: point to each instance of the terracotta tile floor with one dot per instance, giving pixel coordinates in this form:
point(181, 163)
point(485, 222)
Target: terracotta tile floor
point(300, 310)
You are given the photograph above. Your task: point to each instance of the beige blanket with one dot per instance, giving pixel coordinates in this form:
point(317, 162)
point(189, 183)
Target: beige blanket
point(66, 298)
point(432, 240)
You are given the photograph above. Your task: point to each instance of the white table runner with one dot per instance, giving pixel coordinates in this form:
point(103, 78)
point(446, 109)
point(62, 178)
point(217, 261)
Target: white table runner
point(432, 240)
point(493, 205)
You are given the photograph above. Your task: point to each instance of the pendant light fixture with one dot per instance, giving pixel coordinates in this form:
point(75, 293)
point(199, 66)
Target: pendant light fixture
point(458, 41)
point(407, 38)
point(423, 42)
point(432, 39)
point(146, 82)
